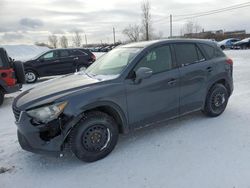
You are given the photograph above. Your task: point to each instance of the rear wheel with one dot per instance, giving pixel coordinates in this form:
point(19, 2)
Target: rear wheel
point(223, 47)
point(94, 137)
point(30, 76)
point(216, 101)
point(81, 68)
point(1, 97)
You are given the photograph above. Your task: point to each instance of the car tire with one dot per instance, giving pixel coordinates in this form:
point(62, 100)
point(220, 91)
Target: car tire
point(19, 71)
point(30, 76)
point(223, 47)
point(216, 101)
point(94, 137)
point(1, 97)
point(81, 68)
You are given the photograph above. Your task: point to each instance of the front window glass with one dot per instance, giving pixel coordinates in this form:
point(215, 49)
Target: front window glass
point(159, 60)
point(48, 56)
point(114, 62)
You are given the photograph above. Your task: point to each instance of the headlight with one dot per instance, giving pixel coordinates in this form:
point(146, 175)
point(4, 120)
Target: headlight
point(47, 113)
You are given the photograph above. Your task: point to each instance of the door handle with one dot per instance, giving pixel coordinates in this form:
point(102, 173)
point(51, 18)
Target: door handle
point(76, 58)
point(172, 82)
point(56, 61)
point(209, 69)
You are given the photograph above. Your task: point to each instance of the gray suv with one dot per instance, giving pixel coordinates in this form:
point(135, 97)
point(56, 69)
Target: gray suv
point(133, 86)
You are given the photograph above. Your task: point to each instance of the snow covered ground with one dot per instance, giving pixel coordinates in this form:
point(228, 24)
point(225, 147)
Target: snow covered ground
point(190, 152)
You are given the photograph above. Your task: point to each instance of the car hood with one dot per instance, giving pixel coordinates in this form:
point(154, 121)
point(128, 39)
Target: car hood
point(53, 89)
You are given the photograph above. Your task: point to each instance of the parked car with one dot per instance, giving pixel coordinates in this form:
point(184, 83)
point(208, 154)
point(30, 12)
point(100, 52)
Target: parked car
point(227, 43)
point(11, 75)
point(131, 87)
point(243, 44)
point(57, 62)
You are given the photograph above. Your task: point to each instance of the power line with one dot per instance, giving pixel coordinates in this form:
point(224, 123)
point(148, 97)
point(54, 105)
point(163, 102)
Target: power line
point(211, 13)
point(215, 10)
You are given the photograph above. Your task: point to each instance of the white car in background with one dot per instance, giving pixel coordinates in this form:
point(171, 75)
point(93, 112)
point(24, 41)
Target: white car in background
point(227, 43)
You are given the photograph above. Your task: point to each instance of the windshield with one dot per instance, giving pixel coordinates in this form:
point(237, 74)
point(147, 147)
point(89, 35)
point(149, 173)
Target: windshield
point(113, 63)
point(37, 56)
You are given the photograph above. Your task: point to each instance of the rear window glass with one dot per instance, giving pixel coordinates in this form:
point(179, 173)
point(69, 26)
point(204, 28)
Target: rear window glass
point(209, 50)
point(63, 53)
point(188, 54)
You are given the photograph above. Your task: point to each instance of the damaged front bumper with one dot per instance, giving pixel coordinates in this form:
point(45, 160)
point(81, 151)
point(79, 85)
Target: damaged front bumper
point(37, 139)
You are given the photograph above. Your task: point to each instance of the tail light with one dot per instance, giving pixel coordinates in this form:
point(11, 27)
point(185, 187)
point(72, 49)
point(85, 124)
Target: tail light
point(229, 61)
point(8, 76)
point(93, 58)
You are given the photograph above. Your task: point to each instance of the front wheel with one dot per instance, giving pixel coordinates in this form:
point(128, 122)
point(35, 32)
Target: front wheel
point(30, 77)
point(94, 137)
point(216, 101)
point(1, 97)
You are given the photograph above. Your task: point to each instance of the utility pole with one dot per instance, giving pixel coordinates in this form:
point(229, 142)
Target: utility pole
point(114, 34)
point(171, 26)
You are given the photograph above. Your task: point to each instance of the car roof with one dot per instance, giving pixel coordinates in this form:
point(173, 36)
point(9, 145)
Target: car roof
point(145, 44)
point(68, 49)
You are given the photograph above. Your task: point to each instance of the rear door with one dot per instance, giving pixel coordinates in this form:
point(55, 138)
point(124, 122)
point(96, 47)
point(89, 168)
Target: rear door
point(65, 64)
point(195, 71)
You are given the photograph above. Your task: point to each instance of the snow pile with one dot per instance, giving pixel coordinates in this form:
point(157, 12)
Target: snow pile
point(26, 52)
point(23, 52)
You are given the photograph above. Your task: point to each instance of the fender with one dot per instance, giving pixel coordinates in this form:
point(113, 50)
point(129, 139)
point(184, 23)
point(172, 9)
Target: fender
point(80, 115)
point(222, 76)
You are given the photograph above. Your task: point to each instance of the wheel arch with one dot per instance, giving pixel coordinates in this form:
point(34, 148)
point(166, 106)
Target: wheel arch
point(109, 108)
point(222, 81)
point(33, 70)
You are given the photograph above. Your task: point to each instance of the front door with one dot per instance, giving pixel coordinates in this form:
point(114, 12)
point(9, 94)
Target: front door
point(157, 97)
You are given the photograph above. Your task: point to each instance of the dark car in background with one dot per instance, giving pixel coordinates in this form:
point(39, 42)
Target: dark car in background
point(131, 87)
point(243, 44)
point(57, 62)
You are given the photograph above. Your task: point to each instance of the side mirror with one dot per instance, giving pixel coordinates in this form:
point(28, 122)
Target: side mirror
point(41, 60)
point(143, 73)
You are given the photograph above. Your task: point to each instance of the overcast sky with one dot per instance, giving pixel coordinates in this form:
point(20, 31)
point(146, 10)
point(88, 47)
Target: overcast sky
point(29, 21)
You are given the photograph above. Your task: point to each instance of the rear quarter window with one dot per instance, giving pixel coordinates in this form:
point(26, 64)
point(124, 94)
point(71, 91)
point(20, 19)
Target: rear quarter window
point(212, 52)
point(79, 53)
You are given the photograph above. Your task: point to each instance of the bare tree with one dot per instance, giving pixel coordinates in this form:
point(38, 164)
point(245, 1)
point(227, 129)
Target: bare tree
point(77, 39)
point(53, 41)
point(197, 28)
point(157, 36)
point(146, 19)
point(132, 32)
point(191, 27)
point(64, 42)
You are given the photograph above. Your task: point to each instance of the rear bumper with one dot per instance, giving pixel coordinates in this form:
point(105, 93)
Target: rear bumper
point(12, 89)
